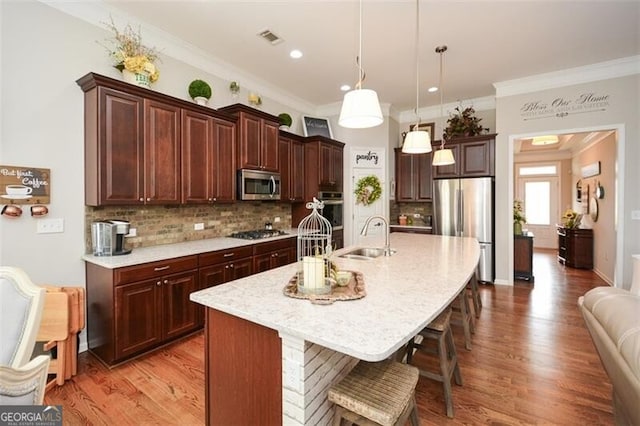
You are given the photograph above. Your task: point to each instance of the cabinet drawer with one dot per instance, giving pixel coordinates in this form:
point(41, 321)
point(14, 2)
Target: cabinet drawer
point(154, 269)
point(273, 246)
point(220, 256)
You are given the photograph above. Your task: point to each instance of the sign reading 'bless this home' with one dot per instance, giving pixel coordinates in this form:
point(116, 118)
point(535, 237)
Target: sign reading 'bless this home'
point(563, 106)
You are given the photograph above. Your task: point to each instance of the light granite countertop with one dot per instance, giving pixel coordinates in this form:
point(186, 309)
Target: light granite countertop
point(169, 251)
point(404, 293)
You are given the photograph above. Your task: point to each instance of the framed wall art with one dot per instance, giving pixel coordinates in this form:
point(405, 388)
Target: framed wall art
point(314, 126)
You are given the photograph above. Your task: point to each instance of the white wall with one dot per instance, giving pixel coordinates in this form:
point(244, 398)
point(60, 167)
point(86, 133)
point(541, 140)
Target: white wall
point(620, 112)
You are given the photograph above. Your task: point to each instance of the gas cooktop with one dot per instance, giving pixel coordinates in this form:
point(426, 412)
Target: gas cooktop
point(257, 234)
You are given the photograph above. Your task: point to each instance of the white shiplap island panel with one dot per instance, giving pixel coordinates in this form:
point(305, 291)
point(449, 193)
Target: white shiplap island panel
point(404, 293)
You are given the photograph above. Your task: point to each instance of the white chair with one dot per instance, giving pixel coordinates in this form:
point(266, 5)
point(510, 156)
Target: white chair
point(22, 379)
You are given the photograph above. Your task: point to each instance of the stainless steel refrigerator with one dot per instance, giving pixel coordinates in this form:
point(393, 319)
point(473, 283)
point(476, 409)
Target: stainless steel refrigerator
point(464, 208)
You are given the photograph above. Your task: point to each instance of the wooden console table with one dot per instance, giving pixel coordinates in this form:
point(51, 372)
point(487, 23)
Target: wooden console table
point(575, 247)
point(523, 257)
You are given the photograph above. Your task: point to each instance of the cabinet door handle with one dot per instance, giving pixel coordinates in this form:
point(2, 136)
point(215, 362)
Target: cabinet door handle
point(226, 267)
point(148, 199)
point(161, 268)
point(166, 281)
point(231, 266)
point(141, 200)
point(159, 283)
point(275, 255)
point(229, 254)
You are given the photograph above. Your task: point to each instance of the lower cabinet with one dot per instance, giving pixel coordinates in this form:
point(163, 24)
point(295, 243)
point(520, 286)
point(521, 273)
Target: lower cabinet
point(415, 230)
point(523, 257)
point(133, 309)
point(575, 247)
point(274, 254)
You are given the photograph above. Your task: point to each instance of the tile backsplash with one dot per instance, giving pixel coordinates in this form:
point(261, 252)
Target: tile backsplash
point(157, 225)
point(396, 209)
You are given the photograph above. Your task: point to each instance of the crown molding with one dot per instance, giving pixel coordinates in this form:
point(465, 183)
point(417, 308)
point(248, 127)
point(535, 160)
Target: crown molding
point(433, 112)
point(97, 12)
point(569, 77)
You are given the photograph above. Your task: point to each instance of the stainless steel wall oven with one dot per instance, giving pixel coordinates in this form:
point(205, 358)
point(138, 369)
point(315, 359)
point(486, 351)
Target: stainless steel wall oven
point(333, 207)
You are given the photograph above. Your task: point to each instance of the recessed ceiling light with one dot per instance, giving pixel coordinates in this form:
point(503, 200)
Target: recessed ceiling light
point(295, 54)
point(544, 140)
point(345, 87)
point(432, 89)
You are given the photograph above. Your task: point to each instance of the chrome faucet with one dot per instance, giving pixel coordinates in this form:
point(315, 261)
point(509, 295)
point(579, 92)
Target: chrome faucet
point(387, 248)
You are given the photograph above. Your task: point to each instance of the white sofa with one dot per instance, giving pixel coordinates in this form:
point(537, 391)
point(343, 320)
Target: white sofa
point(612, 316)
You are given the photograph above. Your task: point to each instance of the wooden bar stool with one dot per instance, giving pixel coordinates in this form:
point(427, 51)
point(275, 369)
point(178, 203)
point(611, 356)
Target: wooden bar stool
point(462, 316)
point(439, 330)
point(472, 287)
point(376, 393)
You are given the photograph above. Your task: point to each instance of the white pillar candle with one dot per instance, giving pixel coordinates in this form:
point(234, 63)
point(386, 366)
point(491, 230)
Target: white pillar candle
point(313, 272)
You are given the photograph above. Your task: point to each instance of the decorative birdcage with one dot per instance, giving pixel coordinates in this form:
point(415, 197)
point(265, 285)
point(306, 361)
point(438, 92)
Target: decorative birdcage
point(314, 251)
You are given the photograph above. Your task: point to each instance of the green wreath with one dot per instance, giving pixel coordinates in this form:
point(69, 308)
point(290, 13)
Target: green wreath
point(368, 190)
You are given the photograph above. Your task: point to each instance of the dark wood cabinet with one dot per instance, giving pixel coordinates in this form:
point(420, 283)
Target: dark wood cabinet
point(257, 138)
point(133, 309)
point(414, 181)
point(575, 247)
point(331, 166)
point(161, 153)
point(523, 257)
point(291, 168)
point(337, 239)
point(475, 157)
point(410, 230)
point(208, 159)
point(273, 254)
point(134, 146)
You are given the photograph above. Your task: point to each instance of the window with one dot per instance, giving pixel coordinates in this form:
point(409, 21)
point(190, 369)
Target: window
point(538, 170)
point(537, 202)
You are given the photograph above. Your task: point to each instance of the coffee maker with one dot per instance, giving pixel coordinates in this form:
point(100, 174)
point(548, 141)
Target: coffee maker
point(107, 237)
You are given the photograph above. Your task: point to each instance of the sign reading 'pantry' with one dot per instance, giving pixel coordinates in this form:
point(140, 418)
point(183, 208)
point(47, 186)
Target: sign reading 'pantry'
point(25, 185)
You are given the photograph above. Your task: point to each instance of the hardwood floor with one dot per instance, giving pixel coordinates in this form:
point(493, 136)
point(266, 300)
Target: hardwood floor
point(532, 362)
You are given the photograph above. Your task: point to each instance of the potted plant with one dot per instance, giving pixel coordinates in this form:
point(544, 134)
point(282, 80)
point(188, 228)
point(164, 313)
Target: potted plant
point(463, 123)
point(200, 91)
point(285, 120)
point(518, 217)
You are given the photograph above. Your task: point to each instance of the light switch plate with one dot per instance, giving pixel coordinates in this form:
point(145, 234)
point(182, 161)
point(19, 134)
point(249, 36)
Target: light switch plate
point(635, 214)
point(50, 226)
point(198, 226)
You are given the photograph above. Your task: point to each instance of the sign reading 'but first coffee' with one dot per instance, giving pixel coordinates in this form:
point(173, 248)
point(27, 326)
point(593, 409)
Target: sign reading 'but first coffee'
point(25, 185)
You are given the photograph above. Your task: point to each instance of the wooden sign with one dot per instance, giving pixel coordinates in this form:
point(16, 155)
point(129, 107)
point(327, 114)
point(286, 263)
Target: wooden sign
point(24, 185)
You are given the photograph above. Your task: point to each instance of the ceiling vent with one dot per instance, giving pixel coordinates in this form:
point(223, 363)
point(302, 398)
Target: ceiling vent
point(270, 37)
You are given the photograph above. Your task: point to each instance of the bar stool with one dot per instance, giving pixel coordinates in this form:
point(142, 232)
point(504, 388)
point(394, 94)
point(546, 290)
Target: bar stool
point(440, 331)
point(472, 286)
point(377, 393)
point(462, 316)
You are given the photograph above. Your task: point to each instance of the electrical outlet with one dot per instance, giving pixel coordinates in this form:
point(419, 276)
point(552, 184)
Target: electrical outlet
point(276, 219)
point(198, 226)
point(132, 232)
point(50, 226)
point(635, 214)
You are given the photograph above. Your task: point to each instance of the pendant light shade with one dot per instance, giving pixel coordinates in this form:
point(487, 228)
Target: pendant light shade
point(443, 157)
point(417, 141)
point(360, 107)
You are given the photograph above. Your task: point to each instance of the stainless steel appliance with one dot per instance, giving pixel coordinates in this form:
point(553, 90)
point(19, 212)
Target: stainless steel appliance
point(107, 237)
point(258, 185)
point(333, 207)
point(464, 207)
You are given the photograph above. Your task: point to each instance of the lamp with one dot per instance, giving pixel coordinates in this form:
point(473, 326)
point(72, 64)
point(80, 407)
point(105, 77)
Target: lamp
point(417, 141)
point(360, 107)
point(443, 156)
point(544, 140)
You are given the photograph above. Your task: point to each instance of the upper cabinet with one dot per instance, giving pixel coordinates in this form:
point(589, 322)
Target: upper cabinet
point(208, 159)
point(413, 176)
point(257, 136)
point(475, 157)
point(292, 181)
point(136, 142)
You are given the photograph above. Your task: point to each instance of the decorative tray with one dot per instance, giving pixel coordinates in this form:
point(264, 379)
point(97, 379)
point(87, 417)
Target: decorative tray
point(352, 291)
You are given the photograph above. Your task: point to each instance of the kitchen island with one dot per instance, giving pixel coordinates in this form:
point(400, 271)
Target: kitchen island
point(270, 359)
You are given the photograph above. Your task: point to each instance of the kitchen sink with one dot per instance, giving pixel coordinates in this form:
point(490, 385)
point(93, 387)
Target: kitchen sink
point(364, 253)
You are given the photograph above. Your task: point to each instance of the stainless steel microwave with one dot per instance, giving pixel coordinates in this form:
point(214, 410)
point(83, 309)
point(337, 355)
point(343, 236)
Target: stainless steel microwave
point(258, 185)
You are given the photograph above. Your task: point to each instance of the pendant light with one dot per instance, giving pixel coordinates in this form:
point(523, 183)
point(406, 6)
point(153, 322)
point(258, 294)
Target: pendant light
point(443, 156)
point(360, 107)
point(417, 141)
